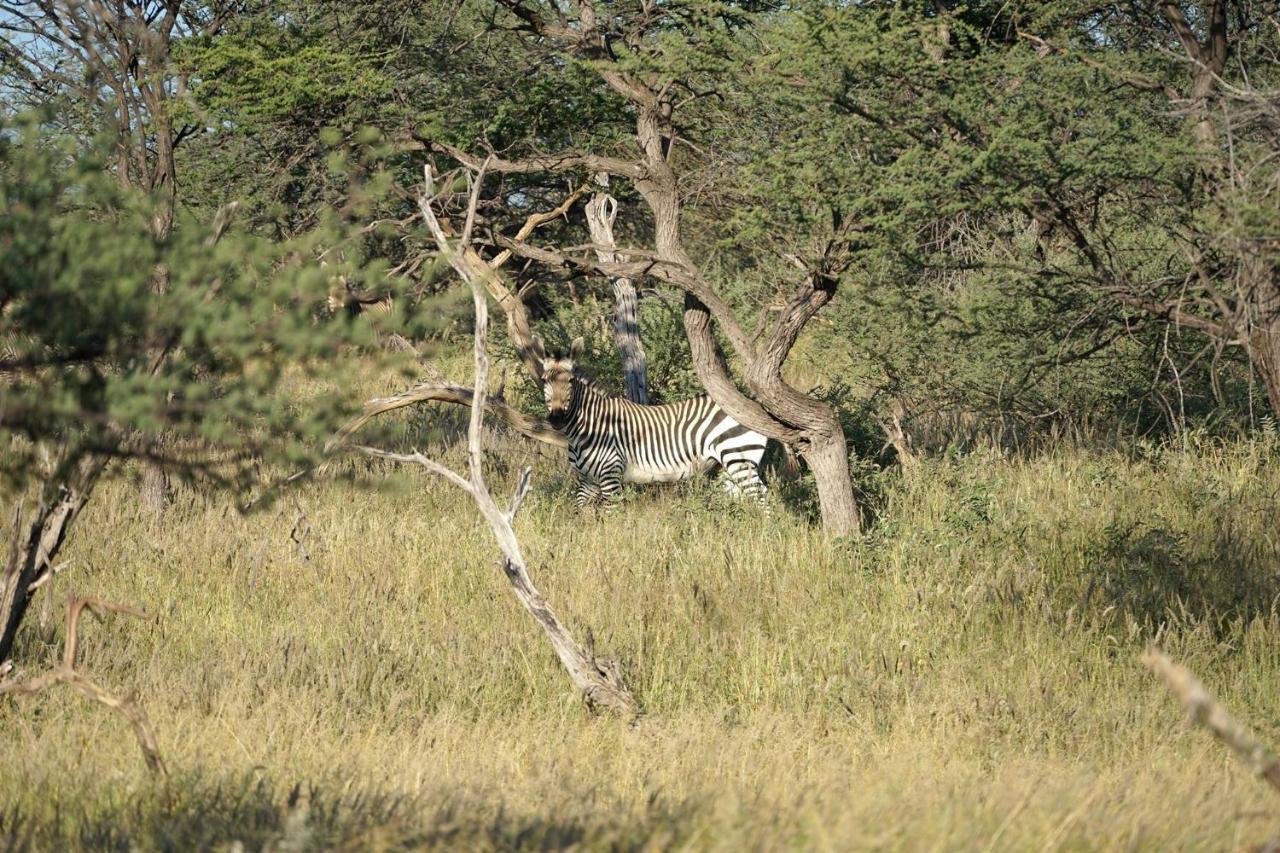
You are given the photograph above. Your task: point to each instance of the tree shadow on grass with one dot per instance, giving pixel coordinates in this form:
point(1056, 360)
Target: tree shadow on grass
point(1152, 571)
point(191, 812)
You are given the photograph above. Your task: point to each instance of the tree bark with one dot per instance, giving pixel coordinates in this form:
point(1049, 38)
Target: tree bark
point(155, 487)
point(32, 555)
point(828, 459)
point(776, 409)
point(602, 210)
point(1264, 353)
point(1209, 58)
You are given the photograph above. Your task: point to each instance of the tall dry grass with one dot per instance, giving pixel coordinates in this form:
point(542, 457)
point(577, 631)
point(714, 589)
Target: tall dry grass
point(349, 670)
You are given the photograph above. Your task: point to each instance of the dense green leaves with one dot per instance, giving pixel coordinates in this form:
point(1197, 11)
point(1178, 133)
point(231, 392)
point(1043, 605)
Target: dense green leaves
point(115, 342)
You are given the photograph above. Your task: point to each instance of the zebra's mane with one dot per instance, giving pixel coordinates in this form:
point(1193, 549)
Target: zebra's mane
point(579, 375)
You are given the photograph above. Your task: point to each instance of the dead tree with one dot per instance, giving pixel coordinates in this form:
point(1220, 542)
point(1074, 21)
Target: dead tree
point(602, 212)
point(519, 330)
point(64, 490)
point(599, 679)
point(66, 673)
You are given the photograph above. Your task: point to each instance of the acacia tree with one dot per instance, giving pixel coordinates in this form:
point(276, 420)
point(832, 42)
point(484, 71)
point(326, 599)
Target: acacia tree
point(1211, 66)
point(106, 68)
point(97, 366)
point(634, 51)
point(1118, 159)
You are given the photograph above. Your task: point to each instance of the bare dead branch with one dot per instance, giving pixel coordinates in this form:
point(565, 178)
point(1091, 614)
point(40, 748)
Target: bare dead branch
point(522, 490)
point(66, 673)
point(534, 428)
point(477, 182)
point(600, 681)
point(417, 458)
point(221, 222)
point(47, 576)
point(566, 161)
point(1202, 709)
point(537, 219)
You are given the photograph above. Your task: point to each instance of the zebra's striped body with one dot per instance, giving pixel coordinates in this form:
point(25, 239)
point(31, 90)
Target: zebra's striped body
point(613, 440)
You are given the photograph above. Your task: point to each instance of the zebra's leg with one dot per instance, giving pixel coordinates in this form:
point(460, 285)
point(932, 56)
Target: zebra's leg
point(609, 466)
point(740, 452)
point(742, 477)
point(611, 487)
point(588, 493)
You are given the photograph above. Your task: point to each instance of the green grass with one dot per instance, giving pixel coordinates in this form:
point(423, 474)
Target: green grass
point(964, 677)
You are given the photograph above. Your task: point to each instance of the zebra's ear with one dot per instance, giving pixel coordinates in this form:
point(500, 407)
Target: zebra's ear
point(576, 348)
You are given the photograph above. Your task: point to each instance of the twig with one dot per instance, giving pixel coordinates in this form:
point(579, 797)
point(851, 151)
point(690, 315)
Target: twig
point(47, 576)
point(417, 458)
point(522, 490)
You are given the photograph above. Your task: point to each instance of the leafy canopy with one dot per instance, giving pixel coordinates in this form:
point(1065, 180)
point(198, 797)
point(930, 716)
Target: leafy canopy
point(203, 373)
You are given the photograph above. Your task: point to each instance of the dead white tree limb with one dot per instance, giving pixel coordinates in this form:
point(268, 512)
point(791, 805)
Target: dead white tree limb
point(534, 428)
point(66, 673)
point(602, 212)
point(599, 680)
point(1202, 709)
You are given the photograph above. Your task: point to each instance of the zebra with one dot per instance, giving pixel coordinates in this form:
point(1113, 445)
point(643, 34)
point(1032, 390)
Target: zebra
point(613, 440)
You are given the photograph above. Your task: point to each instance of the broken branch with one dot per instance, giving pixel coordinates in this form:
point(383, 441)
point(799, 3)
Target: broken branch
point(66, 673)
point(1202, 709)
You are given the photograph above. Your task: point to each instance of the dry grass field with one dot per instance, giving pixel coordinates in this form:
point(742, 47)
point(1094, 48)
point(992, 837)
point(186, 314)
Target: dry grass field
point(348, 669)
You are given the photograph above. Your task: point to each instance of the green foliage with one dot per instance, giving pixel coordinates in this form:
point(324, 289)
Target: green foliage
point(121, 344)
point(928, 139)
point(271, 77)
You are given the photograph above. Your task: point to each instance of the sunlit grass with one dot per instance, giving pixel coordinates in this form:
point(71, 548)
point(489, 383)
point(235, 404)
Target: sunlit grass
point(349, 668)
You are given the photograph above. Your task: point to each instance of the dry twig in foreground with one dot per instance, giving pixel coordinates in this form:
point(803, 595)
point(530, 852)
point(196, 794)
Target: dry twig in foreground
point(599, 679)
point(1204, 710)
point(66, 673)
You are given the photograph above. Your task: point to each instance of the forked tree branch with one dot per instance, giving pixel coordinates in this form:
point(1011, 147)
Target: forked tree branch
point(1174, 313)
point(534, 428)
point(66, 673)
point(661, 269)
point(599, 680)
point(567, 161)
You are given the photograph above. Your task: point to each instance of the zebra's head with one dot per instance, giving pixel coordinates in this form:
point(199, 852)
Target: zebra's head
point(557, 383)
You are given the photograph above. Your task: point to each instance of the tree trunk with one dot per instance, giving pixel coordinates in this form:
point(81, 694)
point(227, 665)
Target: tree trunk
point(602, 210)
point(828, 459)
point(155, 487)
point(776, 410)
point(1264, 353)
point(31, 557)
point(626, 332)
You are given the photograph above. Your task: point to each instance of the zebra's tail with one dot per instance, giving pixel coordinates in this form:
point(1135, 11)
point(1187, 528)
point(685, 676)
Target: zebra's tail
point(791, 467)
